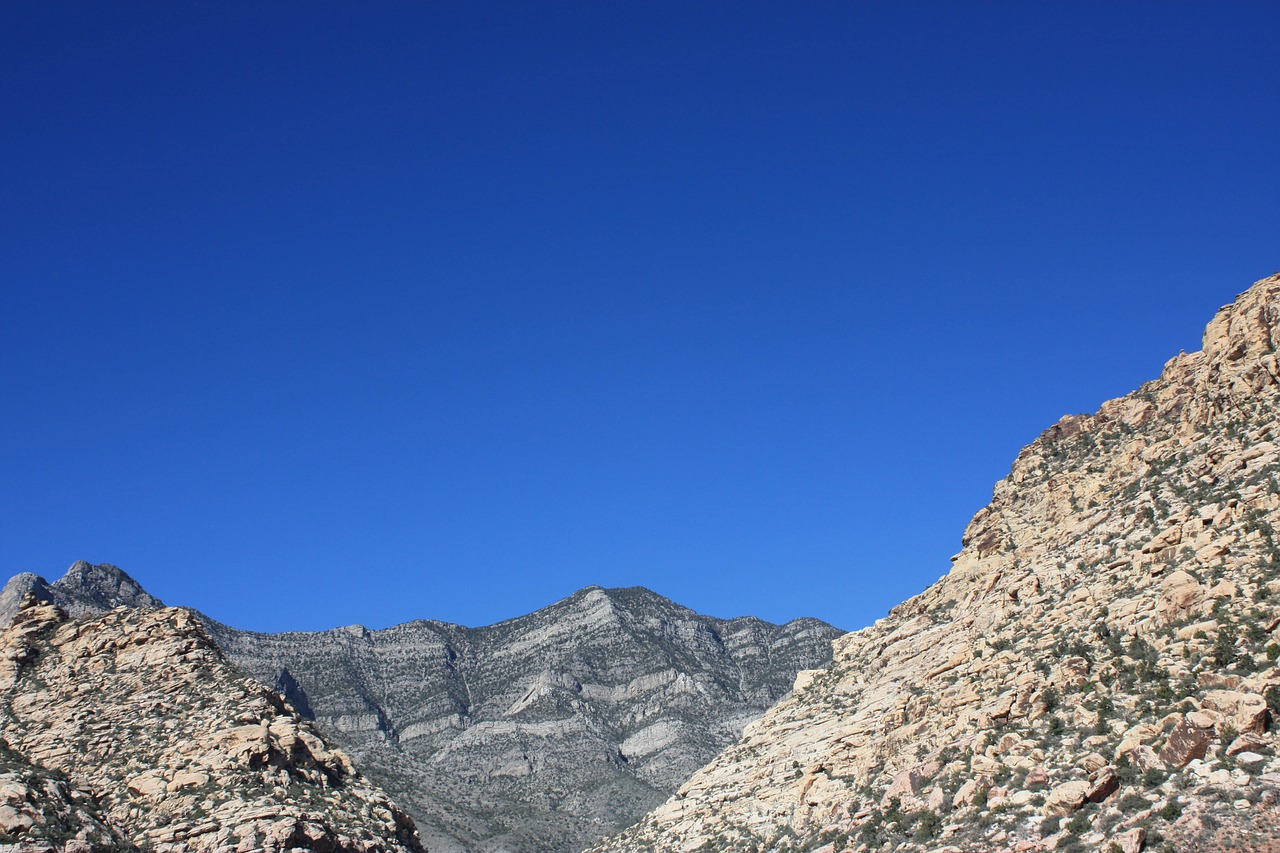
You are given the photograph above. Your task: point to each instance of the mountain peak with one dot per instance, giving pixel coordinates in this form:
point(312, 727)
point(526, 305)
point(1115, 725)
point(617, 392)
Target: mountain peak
point(85, 588)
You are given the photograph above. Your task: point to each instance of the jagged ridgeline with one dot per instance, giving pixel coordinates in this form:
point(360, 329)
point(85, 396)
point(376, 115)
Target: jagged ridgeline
point(1097, 671)
point(541, 733)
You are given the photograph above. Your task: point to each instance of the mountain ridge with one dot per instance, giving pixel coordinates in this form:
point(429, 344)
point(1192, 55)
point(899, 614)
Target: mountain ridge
point(620, 691)
point(606, 691)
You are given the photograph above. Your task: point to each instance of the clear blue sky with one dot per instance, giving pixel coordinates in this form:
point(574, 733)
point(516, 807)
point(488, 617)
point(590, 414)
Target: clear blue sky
point(322, 313)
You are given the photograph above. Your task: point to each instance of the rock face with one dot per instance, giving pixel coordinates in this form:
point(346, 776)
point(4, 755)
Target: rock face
point(543, 732)
point(130, 728)
point(1113, 611)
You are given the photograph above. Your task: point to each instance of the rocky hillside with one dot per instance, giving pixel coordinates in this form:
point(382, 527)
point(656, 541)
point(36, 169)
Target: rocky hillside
point(543, 732)
point(129, 730)
point(1096, 671)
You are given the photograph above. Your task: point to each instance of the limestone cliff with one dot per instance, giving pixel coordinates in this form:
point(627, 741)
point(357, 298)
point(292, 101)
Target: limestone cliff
point(1097, 670)
point(544, 732)
point(130, 728)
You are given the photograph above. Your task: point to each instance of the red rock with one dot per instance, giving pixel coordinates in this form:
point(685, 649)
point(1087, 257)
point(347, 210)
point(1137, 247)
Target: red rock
point(1187, 742)
point(1103, 784)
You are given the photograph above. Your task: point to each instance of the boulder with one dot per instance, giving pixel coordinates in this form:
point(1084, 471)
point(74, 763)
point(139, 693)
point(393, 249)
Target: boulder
point(1066, 798)
point(1246, 711)
point(1248, 742)
point(1103, 784)
point(1180, 595)
point(1036, 777)
point(1132, 840)
point(1187, 741)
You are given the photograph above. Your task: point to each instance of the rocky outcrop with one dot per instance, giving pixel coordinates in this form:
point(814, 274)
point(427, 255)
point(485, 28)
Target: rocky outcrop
point(130, 728)
point(1088, 673)
point(543, 732)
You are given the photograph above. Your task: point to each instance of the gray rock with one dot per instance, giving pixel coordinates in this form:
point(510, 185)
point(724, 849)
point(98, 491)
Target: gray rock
point(84, 589)
point(87, 588)
point(543, 732)
point(17, 589)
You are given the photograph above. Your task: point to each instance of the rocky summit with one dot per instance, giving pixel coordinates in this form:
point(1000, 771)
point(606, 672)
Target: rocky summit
point(85, 588)
point(1098, 669)
point(544, 732)
point(129, 730)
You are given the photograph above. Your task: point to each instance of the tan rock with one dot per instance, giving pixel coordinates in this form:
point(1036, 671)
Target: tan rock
point(1145, 758)
point(1180, 596)
point(1252, 714)
point(1066, 798)
point(1165, 539)
point(1248, 742)
point(1203, 719)
point(187, 779)
point(1246, 711)
point(1188, 632)
point(149, 784)
point(1223, 589)
point(13, 821)
point(967, 791)
point(804, 678)
point(1131, 840)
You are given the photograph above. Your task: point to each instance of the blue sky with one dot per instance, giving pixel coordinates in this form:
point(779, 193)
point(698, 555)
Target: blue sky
point(322, 313)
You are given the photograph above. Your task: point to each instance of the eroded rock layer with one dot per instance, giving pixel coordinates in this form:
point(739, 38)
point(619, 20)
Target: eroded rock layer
point(544, 732)
point(1097, 670)
point(130, 728)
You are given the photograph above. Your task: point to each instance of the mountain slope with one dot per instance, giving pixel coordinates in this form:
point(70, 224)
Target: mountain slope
point(131, 728)
point(542, 732)
point(1097, 670)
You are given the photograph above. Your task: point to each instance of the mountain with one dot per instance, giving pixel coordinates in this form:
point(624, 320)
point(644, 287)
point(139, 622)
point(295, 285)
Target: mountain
point(129, 730)
point(1096, 671)
point(85, 588)
point(543, 732)
point(540, 733)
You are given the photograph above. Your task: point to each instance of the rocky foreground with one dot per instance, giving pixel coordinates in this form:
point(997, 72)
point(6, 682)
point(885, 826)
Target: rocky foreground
point(129, 730)
point(1098, 670)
